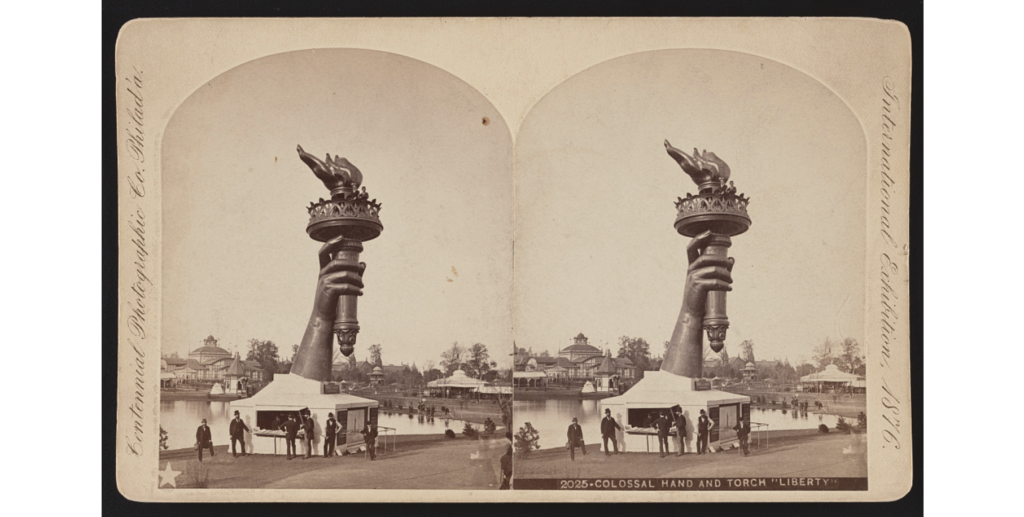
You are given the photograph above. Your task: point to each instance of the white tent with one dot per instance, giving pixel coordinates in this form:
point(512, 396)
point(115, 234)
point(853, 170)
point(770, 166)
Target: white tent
point(831, 373)
point(459, 379)
point(659, 391)
point(290, 394)
point(588, 387)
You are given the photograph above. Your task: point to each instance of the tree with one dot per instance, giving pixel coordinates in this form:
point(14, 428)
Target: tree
point(848, 358)
point(432, 374)
point(478, 361)
point(265, 353)
point(286, 366)
point(804, 369)
point(375, 358)
point(451, 359)
point(636, 350)
point(824, 354)
point(747, 351)
point(544, 353)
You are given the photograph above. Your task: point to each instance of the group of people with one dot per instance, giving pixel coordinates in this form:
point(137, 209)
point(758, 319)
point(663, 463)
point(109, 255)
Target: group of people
point(236, 430)
point(291, 428)
point(664, 422)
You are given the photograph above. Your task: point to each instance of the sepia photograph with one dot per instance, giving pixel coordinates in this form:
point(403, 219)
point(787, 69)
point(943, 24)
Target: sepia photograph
point(513, 259)
point(336, 271)
point(688, 178)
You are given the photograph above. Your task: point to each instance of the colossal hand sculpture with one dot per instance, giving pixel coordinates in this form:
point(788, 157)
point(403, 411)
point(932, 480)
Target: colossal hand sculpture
point(712, 217)
point(343, 223)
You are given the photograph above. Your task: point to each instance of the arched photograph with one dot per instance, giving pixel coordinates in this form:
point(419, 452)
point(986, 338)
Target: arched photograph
point(337, 277)
point(646, 186)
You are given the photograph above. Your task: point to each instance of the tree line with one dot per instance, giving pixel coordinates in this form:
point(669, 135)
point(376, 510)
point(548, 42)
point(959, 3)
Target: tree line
point(845, 354)
point(474, 360)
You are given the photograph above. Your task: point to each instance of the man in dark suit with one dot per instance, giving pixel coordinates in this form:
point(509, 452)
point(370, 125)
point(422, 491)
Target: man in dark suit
point(575, 435)
point(743, 433)
point(307, 436)
point(608, 427)
point(370, 435)
point(291, 430)
point(330, 434)
point(237, 430)
point(680, 434)
point(663, 424)
point(704, 425)
point(204, 439)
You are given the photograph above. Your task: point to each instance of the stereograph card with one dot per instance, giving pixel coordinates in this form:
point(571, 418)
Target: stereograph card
point(426, 253)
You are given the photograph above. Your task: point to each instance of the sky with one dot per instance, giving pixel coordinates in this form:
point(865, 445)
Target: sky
point(596, 251)
point(237, 262)
point(590, 204)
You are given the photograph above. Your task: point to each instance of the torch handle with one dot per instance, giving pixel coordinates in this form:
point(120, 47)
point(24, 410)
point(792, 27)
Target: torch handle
point(346, 324)
point(716, 322)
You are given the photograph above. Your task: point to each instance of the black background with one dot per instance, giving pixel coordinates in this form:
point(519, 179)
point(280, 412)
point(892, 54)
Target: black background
point(116, 13)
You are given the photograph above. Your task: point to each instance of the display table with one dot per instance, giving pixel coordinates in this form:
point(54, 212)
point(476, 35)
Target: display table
point(269, 434)
point(648, 432)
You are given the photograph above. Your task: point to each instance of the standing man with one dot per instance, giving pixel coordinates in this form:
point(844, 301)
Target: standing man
point(680, 434)
point(237, 430)
point(369, 433)
point(330, 433)
point(743, 433)
point(204, 439)
point(291, 430)
point(663, 424)
point(307, 436)
point(704, 425)
point(575, 435)
point(608, 427)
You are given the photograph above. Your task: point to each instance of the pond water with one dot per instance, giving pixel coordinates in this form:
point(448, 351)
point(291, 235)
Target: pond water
point(552, 418)
point(180, 418)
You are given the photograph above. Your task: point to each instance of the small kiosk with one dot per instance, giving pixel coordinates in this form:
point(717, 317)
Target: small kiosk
point(290, 394)
point(662, 391)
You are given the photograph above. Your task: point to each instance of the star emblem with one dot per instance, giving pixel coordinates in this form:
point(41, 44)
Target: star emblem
point(168, 476)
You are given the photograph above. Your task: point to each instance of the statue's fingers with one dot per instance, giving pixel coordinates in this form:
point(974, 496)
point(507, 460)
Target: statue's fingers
point(344, 277)
point(704, 261)
point(694, 248)
point(328, 249)
point(337, 265)
point(732, 262)
point(713, 272)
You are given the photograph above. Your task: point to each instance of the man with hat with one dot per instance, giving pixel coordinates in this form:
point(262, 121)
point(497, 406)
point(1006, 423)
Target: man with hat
point(204, 439)
point(680, 424)
point(291, 430)
point(307, 436)
point(575, 435)
point(369, 433)
point(608, 427)
point(663, 424)
point(743, 433)
point(237, 430)
point(704, 425)
point(330, 433)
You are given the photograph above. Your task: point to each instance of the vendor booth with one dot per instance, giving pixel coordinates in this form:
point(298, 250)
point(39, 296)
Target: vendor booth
point(289, 394)
point(657, 392)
